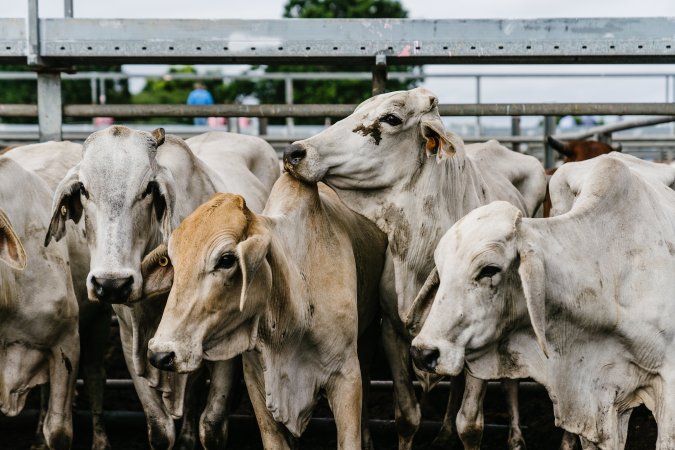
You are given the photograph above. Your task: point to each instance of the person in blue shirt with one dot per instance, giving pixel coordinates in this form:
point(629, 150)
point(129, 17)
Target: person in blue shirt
point(200, 96)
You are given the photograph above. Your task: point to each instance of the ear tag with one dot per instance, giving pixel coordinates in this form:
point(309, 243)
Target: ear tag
point(64, 210)
point(163, 261)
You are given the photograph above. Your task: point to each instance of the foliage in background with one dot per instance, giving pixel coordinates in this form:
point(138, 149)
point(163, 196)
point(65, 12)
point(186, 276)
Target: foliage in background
point(74, 91)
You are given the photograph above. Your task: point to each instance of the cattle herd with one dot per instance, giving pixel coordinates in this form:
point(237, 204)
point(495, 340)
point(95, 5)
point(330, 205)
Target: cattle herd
point(384, 227)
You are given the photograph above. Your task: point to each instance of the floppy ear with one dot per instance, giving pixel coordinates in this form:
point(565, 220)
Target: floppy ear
point(66, 205)
point(157, 272)
point(252, 253)
point(437, 141)
point(419, 310)
point(532, 277)
point(11, 249)
point(164, 201)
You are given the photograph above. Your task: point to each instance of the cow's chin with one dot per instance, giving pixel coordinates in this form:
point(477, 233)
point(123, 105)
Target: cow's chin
point(308, 170)
point(450, 361)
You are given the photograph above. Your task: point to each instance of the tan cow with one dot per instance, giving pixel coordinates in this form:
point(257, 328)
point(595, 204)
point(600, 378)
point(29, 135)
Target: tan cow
point(39, 340)
point(298, 284)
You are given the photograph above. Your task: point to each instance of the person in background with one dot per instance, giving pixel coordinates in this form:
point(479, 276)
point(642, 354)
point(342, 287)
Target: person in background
point(200, 96)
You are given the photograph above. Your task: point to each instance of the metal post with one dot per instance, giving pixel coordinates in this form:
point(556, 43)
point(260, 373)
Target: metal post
point(288, 85)
point(101, 91)
point(33, 34)
point(262, 126)
point(549, 130)
point(68, 8)
point(515, 131)
point(380, 74)
point(478, 100)
point(49, 106)
point(92, 86)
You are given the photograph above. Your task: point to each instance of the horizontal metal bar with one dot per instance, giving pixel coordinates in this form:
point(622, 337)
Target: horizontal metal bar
point(324, 75)
point(467, 109)
point(9, 110)
point(403, 41)
point(615, 127)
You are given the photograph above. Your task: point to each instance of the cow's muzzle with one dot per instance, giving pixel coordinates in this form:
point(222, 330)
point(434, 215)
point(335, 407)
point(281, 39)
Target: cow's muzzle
point(425, 358)
point(113, 290)
point(163, 360)
point(293, 155)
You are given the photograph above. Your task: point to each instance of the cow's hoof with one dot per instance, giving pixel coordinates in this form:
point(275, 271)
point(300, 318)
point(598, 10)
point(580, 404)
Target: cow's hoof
point(517, 443)
point(100, 442)
point(185, 443)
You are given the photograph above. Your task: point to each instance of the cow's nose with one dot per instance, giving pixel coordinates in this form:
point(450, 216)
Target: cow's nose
point(425, 358)
point(294, 154)
point(113, 290)
point(162, 360)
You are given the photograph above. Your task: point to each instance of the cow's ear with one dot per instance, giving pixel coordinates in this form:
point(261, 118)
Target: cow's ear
point(164, 201)
point(437, 141)
point(11, 249)
point(157, 272)
point(532, 277)
point(67, 205)
point(251, 252)
point(158, 135)
point(419, 310)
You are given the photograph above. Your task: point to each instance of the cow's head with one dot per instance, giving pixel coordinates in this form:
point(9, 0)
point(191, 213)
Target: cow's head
point(221, 280)
point(127, 201)
point(397, 131)
point(484, 268)
point(11, 250)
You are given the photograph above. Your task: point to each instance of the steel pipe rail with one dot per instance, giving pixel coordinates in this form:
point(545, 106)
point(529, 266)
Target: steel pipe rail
point(459, 109)
point(356, 41)
point(614, 127)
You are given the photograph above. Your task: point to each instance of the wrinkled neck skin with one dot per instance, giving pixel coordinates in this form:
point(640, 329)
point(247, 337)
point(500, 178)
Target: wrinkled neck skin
point(606, 355)
point(416, 212)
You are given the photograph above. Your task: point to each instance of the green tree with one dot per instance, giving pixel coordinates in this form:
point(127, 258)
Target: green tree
point(73, 91)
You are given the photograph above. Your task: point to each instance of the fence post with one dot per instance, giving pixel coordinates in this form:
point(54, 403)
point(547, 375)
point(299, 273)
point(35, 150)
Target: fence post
point(478, 101)
point(68, 8)
point(288, 85)
point(549, 130)
point(380, 74)
point(515, 131)
point(50, 115)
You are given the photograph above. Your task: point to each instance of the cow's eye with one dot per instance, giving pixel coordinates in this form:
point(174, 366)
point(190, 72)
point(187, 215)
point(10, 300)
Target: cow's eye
point(226, 261)
point(488, 272)
point(391, 119)
point(83, 191)
point(148, 190)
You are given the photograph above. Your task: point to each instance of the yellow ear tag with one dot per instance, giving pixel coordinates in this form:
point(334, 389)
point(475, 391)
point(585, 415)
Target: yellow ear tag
point(163, 261)
point(432, 144)
point(64, 210)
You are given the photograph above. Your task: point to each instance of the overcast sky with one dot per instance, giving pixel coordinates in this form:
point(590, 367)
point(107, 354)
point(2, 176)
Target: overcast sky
point(454, 90)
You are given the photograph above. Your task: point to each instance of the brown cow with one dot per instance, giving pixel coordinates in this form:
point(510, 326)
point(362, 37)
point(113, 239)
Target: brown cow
point(574, 151)
point(299, 284)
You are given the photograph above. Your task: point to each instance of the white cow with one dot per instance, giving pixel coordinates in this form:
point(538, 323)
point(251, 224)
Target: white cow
point(51, 161)
point(299, 284)
point(39, 340)
point(580, 302)
point(133, 188)
point(393, 161)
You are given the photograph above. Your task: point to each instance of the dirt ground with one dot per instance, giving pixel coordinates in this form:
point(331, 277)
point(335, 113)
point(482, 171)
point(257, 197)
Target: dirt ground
point(127, 431)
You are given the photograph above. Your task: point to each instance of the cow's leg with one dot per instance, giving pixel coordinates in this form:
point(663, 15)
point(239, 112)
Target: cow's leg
point(447, 438)
point(213, 424)
point(569, 441)
point(664, 413)
point(470, 416)
point(161, 432)
point(406, 406)
point(63, 362)
point(588, 445)
point(367, 346)
point(194, 392)
point(39, 442)
point(272, 432)
point(345, 397)
point(94, 337)
point(516, 440)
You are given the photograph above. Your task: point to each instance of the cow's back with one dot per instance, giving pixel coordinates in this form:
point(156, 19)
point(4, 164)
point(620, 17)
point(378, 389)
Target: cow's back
point(49, 160)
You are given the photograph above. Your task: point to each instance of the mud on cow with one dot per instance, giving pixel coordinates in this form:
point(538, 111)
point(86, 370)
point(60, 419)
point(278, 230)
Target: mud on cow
point(393, 161)
point(131, 189)
point(298, 284)
point(39, 340)
point(580, 302)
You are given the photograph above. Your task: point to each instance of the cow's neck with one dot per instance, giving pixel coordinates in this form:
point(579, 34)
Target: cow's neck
point(286, 309)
